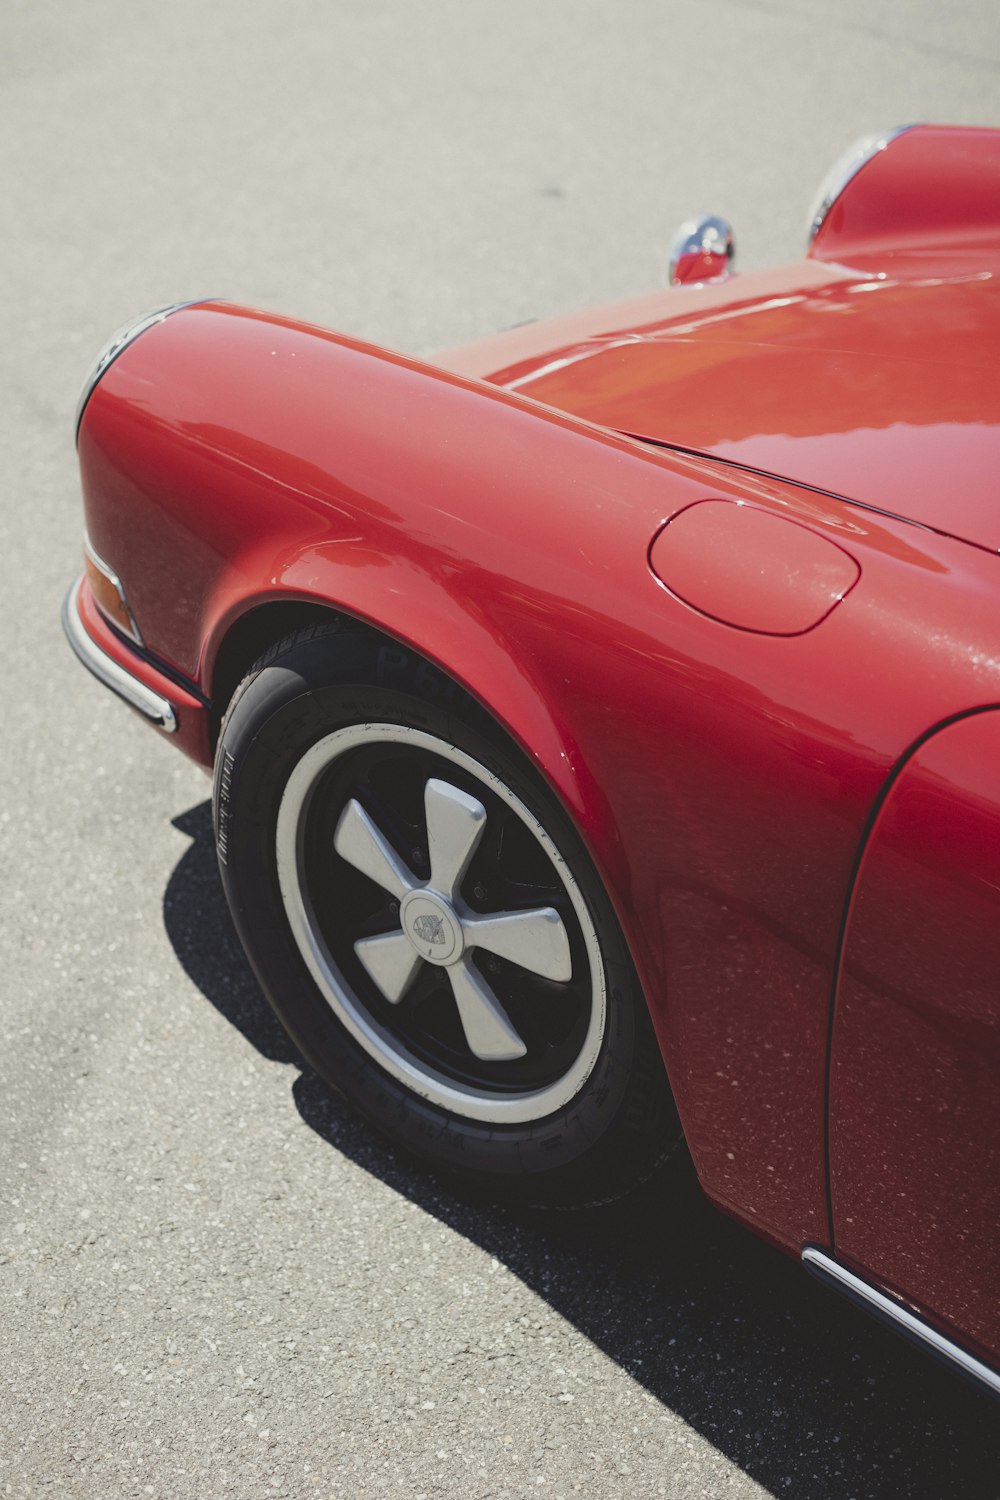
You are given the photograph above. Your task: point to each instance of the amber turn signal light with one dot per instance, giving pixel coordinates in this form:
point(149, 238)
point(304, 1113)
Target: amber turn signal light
point(105, 585)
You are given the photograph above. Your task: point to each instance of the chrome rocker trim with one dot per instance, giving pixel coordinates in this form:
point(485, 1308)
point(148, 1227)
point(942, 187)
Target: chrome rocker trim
point(135, 693)
point(842, 1280)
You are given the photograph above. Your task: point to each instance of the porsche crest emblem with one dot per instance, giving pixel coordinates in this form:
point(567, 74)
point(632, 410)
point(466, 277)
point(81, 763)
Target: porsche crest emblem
point(429, 929)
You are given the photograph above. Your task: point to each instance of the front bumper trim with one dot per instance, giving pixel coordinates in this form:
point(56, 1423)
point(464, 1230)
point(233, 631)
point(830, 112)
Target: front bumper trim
point(136, 694)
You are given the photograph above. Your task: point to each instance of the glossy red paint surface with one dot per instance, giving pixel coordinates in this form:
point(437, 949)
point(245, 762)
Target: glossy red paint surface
point(721, 779)
point(752, 569)
point(878, 384)
point(931, 197)
point(915, 1087)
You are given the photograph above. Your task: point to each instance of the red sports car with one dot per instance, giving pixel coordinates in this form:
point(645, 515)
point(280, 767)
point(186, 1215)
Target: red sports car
point(605, 721)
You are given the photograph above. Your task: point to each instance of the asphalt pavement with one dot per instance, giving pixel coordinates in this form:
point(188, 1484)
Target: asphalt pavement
point(214, 1280)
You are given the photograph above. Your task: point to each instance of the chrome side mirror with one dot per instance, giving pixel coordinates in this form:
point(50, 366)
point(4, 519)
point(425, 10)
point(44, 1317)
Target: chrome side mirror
point(702, 250)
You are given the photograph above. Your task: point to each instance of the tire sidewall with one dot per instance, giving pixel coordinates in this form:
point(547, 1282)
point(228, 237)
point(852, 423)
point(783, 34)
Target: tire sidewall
point(296, 699)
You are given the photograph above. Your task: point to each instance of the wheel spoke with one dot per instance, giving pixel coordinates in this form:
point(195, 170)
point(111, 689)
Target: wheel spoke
point(536, 940)
point(488, 1031)
point(455, 824)
point(391, 961)
point(362, 844)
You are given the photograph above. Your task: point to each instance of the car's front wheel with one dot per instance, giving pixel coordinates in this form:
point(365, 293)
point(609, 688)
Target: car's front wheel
point(428, 926)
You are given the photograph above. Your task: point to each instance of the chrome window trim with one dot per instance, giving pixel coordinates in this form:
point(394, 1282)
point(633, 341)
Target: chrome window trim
point(832, 1273)
point(150, 704)
point(844, 169)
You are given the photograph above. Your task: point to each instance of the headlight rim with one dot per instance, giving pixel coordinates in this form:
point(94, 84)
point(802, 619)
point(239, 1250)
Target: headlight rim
point(844, 169)
point(117, 344)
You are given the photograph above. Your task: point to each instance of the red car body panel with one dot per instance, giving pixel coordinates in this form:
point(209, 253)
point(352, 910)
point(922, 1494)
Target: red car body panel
point(820, 384)
point(723, 778)
point(932, 197)
point(915, 1084)
point(869, 370)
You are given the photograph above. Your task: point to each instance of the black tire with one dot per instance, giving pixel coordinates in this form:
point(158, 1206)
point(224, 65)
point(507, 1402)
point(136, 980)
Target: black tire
point(333, 718)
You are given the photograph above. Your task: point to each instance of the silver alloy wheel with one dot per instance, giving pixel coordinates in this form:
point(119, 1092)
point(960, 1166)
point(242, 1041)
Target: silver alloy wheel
point(437, 927)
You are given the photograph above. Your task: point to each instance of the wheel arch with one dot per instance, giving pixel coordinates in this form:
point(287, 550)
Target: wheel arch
point(245, 638)
point(523, 719)
point(516, 707)
point(457, 644)
point(316, 667)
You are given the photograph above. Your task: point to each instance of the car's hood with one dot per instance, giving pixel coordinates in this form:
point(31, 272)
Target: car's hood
point(881, 388)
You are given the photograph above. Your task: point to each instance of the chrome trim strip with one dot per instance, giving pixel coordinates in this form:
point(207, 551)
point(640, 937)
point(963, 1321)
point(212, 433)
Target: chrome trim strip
point(830, 1272)
point(116, 584)
point(135, 693)
point(847, 166)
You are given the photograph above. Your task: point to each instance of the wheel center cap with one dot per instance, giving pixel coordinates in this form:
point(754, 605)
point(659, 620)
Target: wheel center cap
point(431, 926)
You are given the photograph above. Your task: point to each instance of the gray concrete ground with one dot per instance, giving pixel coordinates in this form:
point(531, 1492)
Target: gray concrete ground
point(213, 1279)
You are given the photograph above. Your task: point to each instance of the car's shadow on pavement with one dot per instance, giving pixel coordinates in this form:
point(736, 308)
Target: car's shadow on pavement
point(803, 1392)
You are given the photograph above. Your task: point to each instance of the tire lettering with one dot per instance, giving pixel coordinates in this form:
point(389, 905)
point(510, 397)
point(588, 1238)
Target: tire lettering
point(225, 790)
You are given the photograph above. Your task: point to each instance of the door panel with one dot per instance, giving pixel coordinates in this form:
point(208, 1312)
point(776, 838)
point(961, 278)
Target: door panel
point(915, 1083)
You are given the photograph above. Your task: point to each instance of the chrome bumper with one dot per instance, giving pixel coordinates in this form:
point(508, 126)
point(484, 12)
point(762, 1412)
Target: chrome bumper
point(135, 693)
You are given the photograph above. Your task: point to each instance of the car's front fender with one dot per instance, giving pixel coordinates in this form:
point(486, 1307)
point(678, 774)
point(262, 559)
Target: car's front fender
point(720, 776)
